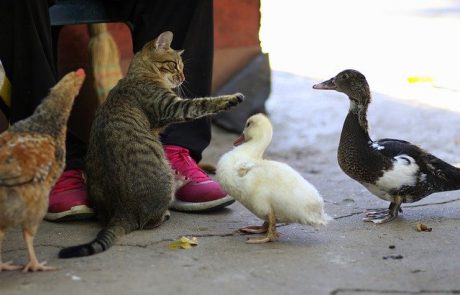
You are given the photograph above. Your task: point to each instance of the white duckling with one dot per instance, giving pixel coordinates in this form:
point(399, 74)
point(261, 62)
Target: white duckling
point(271, 190)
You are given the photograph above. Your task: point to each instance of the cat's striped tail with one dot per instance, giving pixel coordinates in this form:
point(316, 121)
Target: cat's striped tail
point(104, 240)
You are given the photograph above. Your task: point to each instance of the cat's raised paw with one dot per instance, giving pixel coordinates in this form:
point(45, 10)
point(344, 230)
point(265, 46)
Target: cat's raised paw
point(239, 97)
point(235, 99)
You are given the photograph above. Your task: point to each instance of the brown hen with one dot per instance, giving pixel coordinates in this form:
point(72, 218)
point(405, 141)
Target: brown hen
point(32, 157)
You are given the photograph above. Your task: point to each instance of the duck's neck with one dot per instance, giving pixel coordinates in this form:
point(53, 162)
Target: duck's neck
point(355, 128)
point(360, 112)
point(354, 153)
point(252, 149)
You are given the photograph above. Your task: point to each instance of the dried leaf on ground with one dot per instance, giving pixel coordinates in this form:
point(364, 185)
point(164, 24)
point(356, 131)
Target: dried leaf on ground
point(423, 227)
point(183, 243)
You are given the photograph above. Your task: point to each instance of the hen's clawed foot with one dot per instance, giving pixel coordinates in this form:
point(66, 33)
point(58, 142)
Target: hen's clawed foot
point(36, 266)
point(10, 266)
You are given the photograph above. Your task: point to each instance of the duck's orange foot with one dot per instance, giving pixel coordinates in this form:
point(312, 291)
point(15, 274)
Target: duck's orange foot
point(36, 266)
point(10, 266)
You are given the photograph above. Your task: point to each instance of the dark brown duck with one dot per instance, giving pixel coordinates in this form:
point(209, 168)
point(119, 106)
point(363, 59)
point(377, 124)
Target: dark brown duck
point(393, 170)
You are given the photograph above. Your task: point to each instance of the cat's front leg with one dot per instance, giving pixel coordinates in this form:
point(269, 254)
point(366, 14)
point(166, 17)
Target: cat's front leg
point(210, 105)
point(189, 109)
point(225, 102)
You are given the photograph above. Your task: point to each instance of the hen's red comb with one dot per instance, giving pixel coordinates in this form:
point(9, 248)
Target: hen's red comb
point(80, 72)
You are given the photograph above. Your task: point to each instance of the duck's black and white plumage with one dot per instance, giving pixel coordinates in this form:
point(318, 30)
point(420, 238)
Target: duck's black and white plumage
point(393, 170)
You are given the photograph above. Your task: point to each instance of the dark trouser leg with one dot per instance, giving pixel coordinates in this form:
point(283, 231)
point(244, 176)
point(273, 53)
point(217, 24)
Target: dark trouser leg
point(26, 53)
point(191, 22)
point(76, 153)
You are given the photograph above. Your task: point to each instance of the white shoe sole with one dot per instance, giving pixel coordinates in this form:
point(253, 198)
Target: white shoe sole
point(75, 213)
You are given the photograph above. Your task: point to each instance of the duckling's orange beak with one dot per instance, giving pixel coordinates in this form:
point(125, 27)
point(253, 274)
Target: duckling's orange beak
point(239, 140)
point(326, 85)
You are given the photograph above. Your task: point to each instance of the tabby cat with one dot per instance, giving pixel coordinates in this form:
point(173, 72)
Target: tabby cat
point(130, 182)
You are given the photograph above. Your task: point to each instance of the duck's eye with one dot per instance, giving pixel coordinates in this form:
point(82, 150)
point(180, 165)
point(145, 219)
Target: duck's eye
point(344, 76)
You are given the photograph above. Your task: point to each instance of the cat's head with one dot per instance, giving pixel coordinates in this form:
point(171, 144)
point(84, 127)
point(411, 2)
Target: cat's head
point(166, 62)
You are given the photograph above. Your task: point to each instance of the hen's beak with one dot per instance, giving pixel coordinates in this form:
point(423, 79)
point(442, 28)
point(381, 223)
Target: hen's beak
point(326, 85)
point(239, 140)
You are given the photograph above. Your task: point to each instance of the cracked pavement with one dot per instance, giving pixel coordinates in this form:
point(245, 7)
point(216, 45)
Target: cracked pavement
point(346, 257)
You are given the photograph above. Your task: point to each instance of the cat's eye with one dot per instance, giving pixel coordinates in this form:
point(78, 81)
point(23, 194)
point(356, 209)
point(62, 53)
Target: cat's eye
point(169, 66)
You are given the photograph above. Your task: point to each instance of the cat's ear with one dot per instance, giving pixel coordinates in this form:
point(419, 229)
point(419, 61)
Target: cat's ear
point(163, 41)
point(180, 51)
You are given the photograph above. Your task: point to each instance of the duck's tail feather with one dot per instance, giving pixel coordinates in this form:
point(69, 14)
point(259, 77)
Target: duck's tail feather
point(449, 174)
point(104, 240)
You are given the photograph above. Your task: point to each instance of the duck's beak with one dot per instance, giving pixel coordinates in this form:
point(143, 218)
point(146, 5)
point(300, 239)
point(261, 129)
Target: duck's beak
point(326, 85)
point(239, 140)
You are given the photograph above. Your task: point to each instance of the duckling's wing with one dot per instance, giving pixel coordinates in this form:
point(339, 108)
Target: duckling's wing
point(244, 167)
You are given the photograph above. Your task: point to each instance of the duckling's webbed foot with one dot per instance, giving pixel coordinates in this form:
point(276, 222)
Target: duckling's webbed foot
point(272, 235)
point(255, 229)
point(379, 216)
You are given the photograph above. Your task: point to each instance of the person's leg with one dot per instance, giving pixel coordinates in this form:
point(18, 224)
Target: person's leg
point(26, 52)
point(192, 25)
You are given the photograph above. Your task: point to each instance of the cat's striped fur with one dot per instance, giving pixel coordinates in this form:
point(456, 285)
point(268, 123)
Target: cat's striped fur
point(130, 182)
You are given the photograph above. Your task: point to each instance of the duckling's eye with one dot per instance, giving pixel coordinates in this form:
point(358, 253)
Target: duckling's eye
point(344, 76)
point(248, 123)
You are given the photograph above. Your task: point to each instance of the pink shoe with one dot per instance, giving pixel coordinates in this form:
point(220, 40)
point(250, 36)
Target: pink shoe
point(68, 199)
point(199, 193)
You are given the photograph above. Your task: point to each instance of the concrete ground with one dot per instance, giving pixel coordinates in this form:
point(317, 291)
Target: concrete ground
point(346, 257)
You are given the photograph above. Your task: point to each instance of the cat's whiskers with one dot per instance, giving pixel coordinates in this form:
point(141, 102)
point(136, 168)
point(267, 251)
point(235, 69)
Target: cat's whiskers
point(186, 92)
point(179, 91)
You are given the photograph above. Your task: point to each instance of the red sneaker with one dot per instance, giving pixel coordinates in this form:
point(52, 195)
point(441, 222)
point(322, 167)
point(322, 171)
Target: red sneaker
point(68, 199)
point(199, 193)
